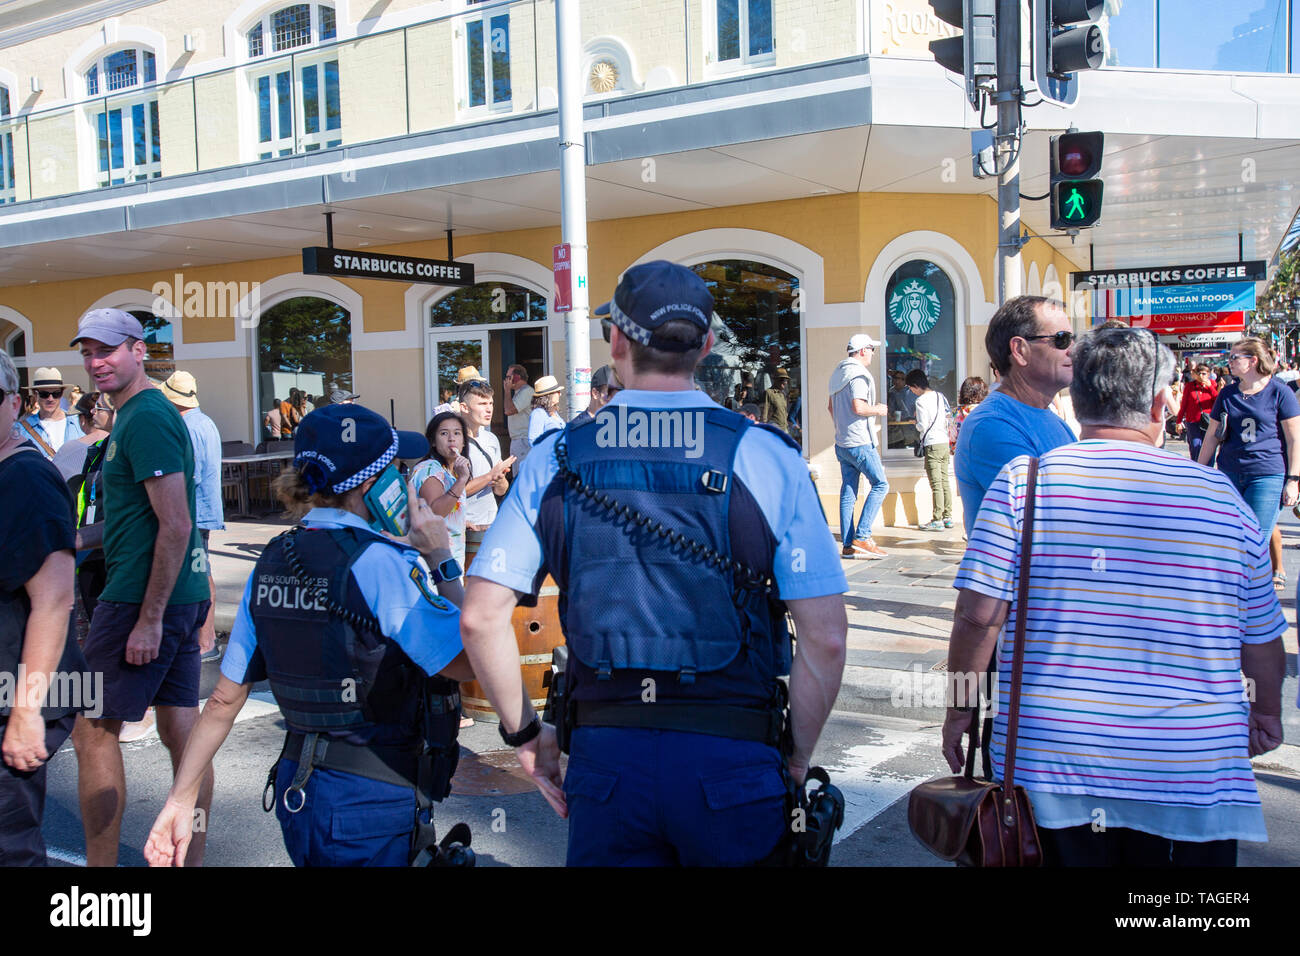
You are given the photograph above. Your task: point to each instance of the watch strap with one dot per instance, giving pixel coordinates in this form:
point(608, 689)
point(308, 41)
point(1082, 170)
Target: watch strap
point(524, 734)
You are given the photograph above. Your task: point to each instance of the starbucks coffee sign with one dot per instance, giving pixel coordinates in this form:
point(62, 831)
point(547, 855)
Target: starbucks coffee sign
point(914, 307)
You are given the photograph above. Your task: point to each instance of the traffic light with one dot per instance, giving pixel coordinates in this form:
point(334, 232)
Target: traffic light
point(1066, 39)
point(974, 54)
point(1076, 193)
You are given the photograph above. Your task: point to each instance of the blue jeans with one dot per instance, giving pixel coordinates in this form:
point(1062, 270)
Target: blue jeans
point(864, 461)
point(1264, 495)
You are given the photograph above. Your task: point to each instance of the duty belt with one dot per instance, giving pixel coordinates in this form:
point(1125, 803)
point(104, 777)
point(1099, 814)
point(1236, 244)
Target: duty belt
point(395, 765)
point(720, 720)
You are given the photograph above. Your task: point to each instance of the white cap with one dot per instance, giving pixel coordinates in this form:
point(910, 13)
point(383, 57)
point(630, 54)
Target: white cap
point(861, 341)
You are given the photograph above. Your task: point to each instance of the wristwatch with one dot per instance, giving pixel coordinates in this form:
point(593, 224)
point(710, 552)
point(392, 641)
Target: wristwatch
point(448, 570)
point(1293, 477)
point(524, 734)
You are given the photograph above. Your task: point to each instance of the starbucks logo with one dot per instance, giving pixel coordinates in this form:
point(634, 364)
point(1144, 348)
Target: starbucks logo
point(112, 451)
point(914, 307)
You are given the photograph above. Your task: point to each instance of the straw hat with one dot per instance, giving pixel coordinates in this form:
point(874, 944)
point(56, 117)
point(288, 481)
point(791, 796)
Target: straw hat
point(546, 385)
point(181, 389)
point(468, 374)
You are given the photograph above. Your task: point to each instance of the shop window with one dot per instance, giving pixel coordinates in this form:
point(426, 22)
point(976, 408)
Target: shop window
point(743, 33)
point(756, 332)
point(486, 48)
point(487, 304)
point(303, 343)
point(7, 183)
point(920, 333)
point(297, 100)
point(128, 140)
point(160, 345)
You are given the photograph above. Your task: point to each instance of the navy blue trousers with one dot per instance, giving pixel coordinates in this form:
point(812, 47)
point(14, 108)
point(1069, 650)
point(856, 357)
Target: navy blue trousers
point(665, 798)
point(346, 820)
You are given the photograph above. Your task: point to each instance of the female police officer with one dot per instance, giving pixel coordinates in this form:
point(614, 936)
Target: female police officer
point(360, 653)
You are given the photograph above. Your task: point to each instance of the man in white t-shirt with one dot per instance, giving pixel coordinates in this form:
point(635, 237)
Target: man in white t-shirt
point(932, 416)
point(518, 404)
point(49, 426)
point(853, 405)
point(488, 471)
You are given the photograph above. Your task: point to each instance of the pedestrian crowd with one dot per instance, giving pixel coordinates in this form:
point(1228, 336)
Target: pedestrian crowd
point(1081, 527)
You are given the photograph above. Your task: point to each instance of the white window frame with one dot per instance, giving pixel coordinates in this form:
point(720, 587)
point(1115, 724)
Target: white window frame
point(8, 190)
point(297, 140)
point(141, 93)
point(744, 62)
point(264, 21)
point(269, 64)
point(460, 40)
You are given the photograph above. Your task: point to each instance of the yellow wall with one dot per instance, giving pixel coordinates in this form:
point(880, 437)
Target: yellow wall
point(848, 231)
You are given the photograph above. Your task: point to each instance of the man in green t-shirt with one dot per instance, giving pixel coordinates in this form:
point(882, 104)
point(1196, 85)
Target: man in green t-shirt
point(144, 634)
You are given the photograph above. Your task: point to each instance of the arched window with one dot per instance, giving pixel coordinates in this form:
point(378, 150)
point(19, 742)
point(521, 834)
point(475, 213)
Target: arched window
point(7, 193)
point(492, 326)
point(160, 342)
point(298, 106)
point(125, 120)
point(303, 343)
point(16, 347)
point(756, 345)
point(920, 332)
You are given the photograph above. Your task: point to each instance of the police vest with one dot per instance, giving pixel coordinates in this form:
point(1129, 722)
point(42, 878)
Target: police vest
point(633, 603)
point(339, 675)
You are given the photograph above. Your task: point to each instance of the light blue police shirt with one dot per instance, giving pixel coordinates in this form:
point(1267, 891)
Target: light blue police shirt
point(806, 563)
point(424, 625)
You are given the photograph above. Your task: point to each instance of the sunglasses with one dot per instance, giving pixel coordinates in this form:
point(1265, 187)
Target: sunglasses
point(1060, 340)
point(44, 394)
point(604, 328)
point(476, 383)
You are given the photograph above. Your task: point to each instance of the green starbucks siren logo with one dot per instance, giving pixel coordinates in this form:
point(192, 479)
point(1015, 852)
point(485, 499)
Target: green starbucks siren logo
point(914, 307)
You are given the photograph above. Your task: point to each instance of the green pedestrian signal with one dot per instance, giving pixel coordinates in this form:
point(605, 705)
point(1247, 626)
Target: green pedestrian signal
point(1074, 205)
point(1075, 193)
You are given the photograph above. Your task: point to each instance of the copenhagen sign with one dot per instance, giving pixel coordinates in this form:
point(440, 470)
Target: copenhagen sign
point(1179, 323)
point(318, 260)
point(1255, 270)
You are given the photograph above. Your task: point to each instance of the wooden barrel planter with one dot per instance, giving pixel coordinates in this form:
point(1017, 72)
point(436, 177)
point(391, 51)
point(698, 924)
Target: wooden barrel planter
point(537, 632)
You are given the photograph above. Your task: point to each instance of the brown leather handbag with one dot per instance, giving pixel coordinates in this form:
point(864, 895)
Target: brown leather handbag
point(981, 822)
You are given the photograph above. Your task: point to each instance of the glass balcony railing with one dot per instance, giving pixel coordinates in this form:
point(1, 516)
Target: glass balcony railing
point(495, 60)
point(498, 59)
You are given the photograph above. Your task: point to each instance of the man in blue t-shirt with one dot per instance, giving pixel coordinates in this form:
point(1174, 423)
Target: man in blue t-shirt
point(1028, 342)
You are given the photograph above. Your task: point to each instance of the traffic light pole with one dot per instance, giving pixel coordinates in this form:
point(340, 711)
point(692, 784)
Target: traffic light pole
point(1008, 149)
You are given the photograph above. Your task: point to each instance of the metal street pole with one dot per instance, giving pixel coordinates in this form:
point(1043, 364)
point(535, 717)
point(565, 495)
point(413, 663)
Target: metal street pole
point(1008, 150)
point(573, 202)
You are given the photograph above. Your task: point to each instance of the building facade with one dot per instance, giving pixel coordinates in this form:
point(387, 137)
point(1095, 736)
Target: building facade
point(807, 157)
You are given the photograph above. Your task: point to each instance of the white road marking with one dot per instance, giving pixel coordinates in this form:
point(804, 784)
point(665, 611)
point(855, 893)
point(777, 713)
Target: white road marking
point(260, 704)
point(869, 791)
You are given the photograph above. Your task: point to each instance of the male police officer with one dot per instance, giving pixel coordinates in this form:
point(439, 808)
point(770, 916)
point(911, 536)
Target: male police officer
point(675, 644)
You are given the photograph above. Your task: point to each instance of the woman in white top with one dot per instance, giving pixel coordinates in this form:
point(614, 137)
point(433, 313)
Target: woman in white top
point(546, 403)
point(932, 413)
point(450, 473)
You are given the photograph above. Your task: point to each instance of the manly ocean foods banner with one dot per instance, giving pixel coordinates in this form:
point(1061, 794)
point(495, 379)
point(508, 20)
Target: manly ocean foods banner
point(1174, 299)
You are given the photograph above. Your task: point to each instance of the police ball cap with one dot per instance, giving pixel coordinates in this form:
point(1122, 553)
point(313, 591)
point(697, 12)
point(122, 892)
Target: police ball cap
point(338, 447)
point(652, 293)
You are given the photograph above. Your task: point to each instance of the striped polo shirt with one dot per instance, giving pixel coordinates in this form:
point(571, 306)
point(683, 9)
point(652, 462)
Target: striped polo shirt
point(1149, 572)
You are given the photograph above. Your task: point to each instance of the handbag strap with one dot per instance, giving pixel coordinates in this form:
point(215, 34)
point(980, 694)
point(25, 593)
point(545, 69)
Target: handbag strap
point(1022, 618)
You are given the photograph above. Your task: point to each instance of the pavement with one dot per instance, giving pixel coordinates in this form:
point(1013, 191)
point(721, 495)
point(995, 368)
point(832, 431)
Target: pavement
point(880, 741)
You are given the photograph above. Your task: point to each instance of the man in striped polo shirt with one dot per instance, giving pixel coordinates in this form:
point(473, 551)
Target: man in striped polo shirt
point(1150, 595)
